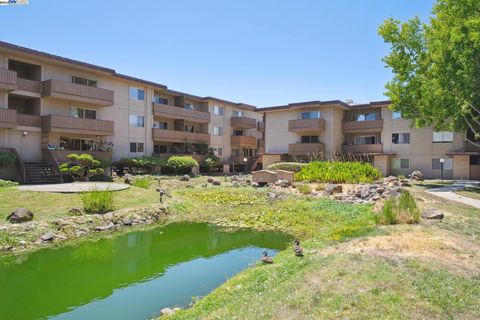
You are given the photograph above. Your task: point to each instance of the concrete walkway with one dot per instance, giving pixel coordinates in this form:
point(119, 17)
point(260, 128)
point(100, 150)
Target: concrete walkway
point(75, 187)
point(447, 192)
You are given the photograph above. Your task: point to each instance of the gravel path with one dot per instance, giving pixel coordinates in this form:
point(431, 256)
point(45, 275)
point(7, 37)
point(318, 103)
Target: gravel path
point(75, 187)
point(447, 193)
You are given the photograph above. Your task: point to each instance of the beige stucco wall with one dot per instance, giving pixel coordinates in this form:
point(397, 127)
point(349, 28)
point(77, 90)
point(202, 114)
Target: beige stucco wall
point(461, 167)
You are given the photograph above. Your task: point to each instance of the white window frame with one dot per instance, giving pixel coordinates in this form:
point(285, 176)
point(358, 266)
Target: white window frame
point(442, 137)
point(133, 120)
point(312, 115)
point(218, 131)
point(218, 110)
point(189, 106)
point(397, 164)
point(156, 125)
point(135, 94)
point(364, 139)
point(72, 108)
point(165, 100)
point(88, 82)
point(363, 116)
point(137, 144)
point(237, 114)
point(396, 115)
point(447, 164)
point(401, 137)
point(218, 151)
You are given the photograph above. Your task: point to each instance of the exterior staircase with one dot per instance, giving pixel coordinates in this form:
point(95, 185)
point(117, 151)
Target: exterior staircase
point(41, 173)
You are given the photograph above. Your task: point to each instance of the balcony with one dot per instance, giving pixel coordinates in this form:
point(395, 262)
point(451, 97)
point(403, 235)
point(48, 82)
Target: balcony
point(54, 123)
point(243, 122)
point(8, 80)
point(180, 136)
point(61, 155)
point(28, 120)
point(248, 142)
point(261, 127)
point(28, 85)
point(8, 118)
point(198, 157)
point(304, 149)
point(362, 126)
point(362, 148)
point(306, 125)
point(77, 92)
point(172, 112)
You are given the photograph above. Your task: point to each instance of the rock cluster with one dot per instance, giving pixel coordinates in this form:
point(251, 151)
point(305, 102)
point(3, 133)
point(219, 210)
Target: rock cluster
point(20, 215)
point(214, 182)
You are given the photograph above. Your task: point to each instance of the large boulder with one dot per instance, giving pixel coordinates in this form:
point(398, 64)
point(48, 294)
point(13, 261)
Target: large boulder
point(332, 188)
point(416, 175)
point(20, 215)
point(432, 214)
point(185, 178)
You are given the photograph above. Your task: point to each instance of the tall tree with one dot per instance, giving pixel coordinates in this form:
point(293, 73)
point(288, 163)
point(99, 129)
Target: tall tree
point(436, 67)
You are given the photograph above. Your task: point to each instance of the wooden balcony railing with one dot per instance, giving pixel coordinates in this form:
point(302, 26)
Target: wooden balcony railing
point(54, 123)
point(362, 126)
point(28, 120)
point(61, 155)
point(304, 149)
point(249, 142)
point(261, 127)
point(8, 80)
point(172, 112)
point(362, 148)
point(28, 85)
point(306, 125)
point(243, 122)
point(198, 157)
point(8, 118)
point(180, 136)
point(77, 92)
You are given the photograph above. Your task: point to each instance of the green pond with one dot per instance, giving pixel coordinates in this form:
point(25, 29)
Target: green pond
point(129, 276)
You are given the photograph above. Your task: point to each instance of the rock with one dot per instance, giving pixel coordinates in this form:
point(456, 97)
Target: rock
point(47, 236)
point(128, 178)
point(284, 183)
point(416, 175)
point(235, 184)
point(248, 181)
point(432, 214)
point(75, 211)
point(210, 180)
point(380, 190)
point(22, 243)
point(185, 177)
point(189, 186)
point(104, 228)
point(20, 215)
point(255, 184)
point(390, 179)
point(272, 195)
point(216, 183)
point(166, 311)
point(332, 188)
point(127, 222)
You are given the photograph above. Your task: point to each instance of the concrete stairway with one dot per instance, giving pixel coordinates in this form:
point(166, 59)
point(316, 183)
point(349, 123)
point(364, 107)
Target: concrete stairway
point(41, 173)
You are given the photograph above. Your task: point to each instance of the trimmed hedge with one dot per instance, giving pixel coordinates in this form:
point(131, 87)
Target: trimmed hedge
point(288, 166)
point(142, 162)
point(338, 172)
point(181, 164)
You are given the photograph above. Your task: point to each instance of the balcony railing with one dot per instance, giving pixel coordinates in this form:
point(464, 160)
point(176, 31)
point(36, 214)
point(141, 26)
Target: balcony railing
point(8, 118)
point(28, 85)
point(249, 142)
point(306, 125)
point(61, 155)
point(77, 92)
point(243, 122)
point(172, 112)
point(180, 136)
point(261, 127)
point(362, 126)
point(303, 149)
point(362, 148)
point(54, 123)
point(8, 80)
point(29, 120)
point(198, 157)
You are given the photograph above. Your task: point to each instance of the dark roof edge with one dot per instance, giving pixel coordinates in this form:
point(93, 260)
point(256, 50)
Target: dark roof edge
point(331, 102)
point(146, 82)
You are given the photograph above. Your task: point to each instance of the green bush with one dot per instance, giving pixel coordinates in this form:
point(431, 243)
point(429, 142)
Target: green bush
point(81, 167)
point(399, 209)
point(338, 172)
point(7, 183)
point(142, 182)
point(7, 159)
point(182, 164)
point(305, 189)
point(287, 166)
point(142, 162)
point(96, 201)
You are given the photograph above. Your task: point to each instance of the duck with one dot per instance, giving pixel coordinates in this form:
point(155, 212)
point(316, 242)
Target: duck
point(266, 259)
point(297, 248)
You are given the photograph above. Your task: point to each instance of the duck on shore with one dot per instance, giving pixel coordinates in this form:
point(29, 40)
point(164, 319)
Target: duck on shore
point(266, 259)
point(297, 248)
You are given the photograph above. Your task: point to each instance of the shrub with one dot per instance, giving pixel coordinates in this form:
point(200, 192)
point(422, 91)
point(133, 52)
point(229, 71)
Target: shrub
point(142, 162)
point(288, 166)
point(7, 159)
point(7, 183)
point(400, 209)
point(96, 201)
point(338, 172)
point(182, 164)
point(305, 189)
point(142, 182)
point(81, 167)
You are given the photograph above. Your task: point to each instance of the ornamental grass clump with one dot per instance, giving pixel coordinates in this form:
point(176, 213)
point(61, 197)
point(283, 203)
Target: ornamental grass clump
point(142, 182)
point(399, 209)
point(338, 172)
point(98, 202)
point(287, 166)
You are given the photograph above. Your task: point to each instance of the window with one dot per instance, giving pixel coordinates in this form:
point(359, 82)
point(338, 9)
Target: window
point(447, 164)
point(310, 115)
point(310, 139)
point(160, 125)
point(189, 106)
point(189, 128)
point(84, 81)
point(442, 136)
point(238, 132)
point(396, 115)
point(235, 152)
point(137, 94)
point(218, 131)
point(137, 121)
point(364, 139)
point(218, 111)
point(400, 163)
point(78, 144)
point(136, 147)
point(83, 113)
point(218, 151)
point(237, 113)
point(401, 138)
point(160, 100)
point(366, 116)
point(160, 149)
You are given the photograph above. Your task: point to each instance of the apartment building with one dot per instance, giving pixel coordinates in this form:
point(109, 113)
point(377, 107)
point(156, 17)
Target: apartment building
point(52, 106)
point(316, 129)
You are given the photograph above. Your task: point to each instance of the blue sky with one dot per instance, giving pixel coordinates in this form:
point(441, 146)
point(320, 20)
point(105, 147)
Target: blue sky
point(262, 52)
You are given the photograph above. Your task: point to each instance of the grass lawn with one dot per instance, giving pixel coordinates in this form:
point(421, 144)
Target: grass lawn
point(470, 192)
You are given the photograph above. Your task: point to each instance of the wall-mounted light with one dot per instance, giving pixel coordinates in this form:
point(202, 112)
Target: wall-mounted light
point(24, 133)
